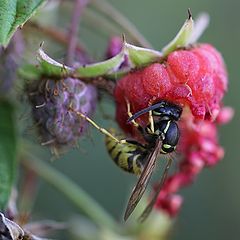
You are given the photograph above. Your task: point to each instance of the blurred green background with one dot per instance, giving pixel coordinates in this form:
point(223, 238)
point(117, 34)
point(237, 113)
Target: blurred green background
point(211, 208)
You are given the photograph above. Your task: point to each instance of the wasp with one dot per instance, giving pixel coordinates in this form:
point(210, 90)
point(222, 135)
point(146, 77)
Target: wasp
point(161, 136)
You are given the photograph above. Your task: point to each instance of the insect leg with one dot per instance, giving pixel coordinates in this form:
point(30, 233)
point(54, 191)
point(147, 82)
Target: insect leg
point(102, 130)
point(140, 128)
point(147, 132)
point(150, 118)
point(149, 207)
point(135, 124)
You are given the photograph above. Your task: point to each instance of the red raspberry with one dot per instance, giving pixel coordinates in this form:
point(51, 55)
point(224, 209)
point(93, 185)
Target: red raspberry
point(195, 77)
point(170, 204)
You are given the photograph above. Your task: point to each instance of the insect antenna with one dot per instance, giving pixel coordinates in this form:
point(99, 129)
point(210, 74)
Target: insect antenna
point(102, 130)
point(145, 110)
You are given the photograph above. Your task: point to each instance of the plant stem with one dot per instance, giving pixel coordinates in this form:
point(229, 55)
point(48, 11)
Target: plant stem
point(122, 21)
point(55, 34)
point(71, 190)
point(99, 24)
point(73, 31)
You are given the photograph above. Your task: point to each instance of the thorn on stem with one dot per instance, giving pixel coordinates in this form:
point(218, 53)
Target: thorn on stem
point(41, 44)
point(123, 38)
point(189, 14)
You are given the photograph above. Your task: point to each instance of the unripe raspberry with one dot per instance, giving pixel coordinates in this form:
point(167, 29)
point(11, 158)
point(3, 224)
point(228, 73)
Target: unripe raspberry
point(51, 101)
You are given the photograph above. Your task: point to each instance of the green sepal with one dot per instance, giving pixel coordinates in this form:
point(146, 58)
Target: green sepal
point(101, 68)
point(200, 24)
point(137, 56)
point(29, 72)
point(141, 56)
point(14, 13)
point(8, 149)
point(50, 67)
point(118, 74)
point(182, 39)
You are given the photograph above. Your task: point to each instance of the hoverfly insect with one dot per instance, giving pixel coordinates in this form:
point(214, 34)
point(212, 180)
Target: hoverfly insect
point(161, 136)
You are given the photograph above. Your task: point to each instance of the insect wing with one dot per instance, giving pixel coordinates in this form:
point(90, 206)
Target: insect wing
point(141, 185)
point(149, 207)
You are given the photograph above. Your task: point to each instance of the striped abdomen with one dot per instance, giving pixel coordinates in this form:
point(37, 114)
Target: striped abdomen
point(129, 156)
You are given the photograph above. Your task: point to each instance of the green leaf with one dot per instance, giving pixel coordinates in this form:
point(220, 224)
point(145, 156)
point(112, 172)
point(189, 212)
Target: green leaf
point(141, 56)
point(183, 37)
point(8, 145)
point(14, 13)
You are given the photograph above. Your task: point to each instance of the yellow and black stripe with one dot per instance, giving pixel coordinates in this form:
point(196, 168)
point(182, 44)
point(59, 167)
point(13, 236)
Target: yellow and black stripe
point(129, 156)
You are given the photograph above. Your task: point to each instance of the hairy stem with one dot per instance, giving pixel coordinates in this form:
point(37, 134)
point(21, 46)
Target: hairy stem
point(55, 34)
point(73, 31)
point(122, 21)
point(71, 190)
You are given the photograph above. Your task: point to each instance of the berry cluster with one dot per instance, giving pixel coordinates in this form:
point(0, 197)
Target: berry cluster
point(51, 101)
point(196, 79)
